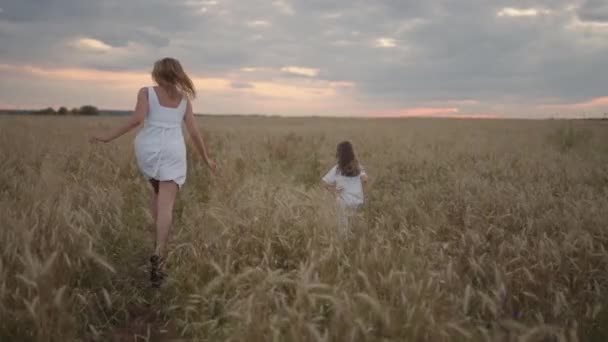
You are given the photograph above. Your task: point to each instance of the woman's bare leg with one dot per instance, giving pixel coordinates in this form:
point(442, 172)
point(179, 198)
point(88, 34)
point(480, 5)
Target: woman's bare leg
point(154, 200)
point(167, 191)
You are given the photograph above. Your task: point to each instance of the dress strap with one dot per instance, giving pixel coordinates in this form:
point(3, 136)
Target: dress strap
point(152, 99)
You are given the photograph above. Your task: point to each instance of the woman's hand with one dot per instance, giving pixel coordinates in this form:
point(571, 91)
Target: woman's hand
point(212, 166)
point(97, 138)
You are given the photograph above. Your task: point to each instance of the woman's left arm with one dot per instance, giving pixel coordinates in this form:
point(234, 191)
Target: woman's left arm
point(141, 108)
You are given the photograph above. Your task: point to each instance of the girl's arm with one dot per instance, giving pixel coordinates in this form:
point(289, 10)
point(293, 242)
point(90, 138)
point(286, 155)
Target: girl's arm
point(363, 176)
point(331, 187)
point(329, 181)
point(196, 137)
point(141, 108)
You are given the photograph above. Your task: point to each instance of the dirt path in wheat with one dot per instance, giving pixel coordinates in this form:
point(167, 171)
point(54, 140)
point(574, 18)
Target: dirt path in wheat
point(145, 319)
point(144, 323)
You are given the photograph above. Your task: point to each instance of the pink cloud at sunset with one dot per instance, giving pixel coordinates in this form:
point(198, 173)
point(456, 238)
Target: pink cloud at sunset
point(417, 111)
point(590, 104)
point(238, 91)
point(434, 112)
point(252, 94)
point(128, 79)
point(318, 88)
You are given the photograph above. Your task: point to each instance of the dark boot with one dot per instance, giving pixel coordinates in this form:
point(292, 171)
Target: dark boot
point(156, 275)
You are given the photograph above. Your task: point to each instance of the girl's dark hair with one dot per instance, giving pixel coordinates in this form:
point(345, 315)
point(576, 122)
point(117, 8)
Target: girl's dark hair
point(347, 162)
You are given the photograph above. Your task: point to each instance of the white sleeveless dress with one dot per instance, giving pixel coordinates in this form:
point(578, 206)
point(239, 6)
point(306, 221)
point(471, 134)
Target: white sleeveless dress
point(160, 148)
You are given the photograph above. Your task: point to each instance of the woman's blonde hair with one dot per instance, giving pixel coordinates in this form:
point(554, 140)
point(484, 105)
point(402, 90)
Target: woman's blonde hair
point(169, 72)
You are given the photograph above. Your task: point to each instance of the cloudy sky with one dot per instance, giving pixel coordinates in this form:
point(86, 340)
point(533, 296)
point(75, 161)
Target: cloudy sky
point(464, 58)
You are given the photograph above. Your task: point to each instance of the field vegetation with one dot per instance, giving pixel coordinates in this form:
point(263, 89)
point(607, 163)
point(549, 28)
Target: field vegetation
point(472, 231)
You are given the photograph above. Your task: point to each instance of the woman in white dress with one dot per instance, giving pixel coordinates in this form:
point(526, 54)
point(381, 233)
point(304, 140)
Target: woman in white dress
point(346, 181)
point(159, 146)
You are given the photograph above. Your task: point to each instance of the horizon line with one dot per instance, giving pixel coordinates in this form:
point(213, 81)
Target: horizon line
point(329, 116)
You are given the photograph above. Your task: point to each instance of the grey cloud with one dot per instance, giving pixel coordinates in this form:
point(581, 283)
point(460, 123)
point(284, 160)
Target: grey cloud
point(40, 31)
point(469, 52)
point(156, 13)
point(36, 10)
point(241, 85)
point(594, 10)
point(121, 37)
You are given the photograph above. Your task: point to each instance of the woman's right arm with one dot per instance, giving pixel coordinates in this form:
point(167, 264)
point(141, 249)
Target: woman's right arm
point(199, 143)
point(141, 108)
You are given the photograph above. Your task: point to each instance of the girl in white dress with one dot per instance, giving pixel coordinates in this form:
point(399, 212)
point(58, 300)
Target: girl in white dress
point(346, 181)
point(159, 146)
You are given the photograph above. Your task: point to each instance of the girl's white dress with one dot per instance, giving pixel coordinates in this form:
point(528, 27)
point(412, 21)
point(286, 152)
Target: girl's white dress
point(350, 189)
point(160, 148)
point(349, 197)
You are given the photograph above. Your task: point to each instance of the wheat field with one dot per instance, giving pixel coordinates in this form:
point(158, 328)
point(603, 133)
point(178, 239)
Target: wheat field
point(472, 231)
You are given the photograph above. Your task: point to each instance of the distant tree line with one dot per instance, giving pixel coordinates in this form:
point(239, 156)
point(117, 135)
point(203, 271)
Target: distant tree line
point(84, 110)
